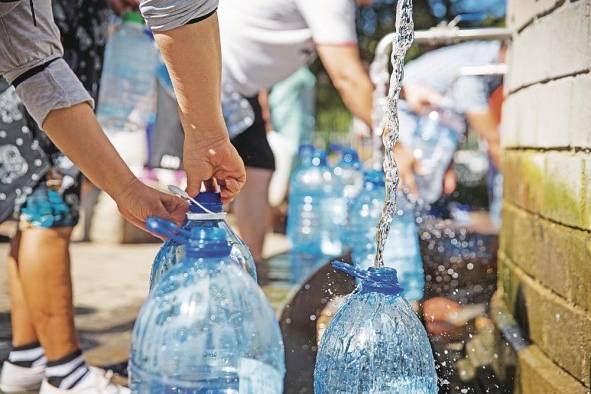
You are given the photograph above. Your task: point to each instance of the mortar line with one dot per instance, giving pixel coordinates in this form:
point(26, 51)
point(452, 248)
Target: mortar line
point(548, 80)
point(538, 149)
point(558, 299)
point(540, 15)
point(537, 215)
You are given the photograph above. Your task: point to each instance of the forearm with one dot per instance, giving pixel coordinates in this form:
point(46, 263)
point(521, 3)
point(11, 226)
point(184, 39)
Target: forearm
point(357, 95)
point(76, 132)
point(193, 57)
point(344, 66)
point(484, 123)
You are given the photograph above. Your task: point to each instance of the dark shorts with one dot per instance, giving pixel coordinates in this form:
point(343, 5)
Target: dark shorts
point(252, 144)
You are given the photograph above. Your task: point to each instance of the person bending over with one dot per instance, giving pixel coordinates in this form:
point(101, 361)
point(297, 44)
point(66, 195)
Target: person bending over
point(31, 59)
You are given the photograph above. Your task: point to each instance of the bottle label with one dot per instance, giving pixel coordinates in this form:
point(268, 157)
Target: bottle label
point(259, 378)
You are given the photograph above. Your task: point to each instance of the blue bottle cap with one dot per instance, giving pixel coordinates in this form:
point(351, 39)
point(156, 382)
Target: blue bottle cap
point(374, 178)
point(210, 200)
point(305, 148)
point(378, 280)
point(350, 155)
point(335, 147)
point(319, 158)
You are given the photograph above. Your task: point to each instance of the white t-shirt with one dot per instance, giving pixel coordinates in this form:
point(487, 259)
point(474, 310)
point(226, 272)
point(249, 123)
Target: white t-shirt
point(265, 41)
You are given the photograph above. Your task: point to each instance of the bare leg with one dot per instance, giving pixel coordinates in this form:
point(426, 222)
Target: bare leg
point(44, 271)
point(23, 331)
point(252, 209)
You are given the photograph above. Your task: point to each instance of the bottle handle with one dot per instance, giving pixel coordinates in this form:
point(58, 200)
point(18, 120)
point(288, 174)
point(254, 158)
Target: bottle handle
point(167, 229)
point(349, 269)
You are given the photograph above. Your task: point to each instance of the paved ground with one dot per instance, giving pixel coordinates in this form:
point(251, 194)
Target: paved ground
point(110, 283)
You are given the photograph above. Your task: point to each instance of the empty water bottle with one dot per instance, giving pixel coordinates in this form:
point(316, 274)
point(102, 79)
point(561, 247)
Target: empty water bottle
point(206, 327)
point(309, 222)
point(126, 100)
point(304, 158)
point(349, 174)
point(436, 139)
point(208, 214)
point(375, 344)
point(402, 250)
point(348, 182)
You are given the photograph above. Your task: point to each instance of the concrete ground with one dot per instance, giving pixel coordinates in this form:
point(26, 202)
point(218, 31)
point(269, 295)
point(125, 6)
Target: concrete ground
point(110, 284)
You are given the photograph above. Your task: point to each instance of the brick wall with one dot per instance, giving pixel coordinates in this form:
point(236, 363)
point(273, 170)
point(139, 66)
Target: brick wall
point(545, 256)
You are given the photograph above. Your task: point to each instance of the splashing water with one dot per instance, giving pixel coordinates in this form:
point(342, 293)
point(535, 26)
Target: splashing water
point(380, 76)
point(402, 42)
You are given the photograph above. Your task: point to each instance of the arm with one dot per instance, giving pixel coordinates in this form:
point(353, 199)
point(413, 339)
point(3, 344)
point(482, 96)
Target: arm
point(346, 71)
point(76, 132)
point(485, 125)
point(59, 103)
point(193, 57)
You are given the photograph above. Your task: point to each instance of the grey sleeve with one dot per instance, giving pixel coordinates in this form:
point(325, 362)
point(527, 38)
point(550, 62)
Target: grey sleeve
point(55, 87)
point(163, 15)
point(6, 7)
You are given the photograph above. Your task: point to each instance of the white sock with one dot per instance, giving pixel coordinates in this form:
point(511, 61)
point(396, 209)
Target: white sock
point(68, 371)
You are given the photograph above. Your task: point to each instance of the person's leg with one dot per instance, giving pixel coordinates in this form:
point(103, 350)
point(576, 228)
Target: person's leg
point(23, 331)
point(44, 271)
point(251, 208)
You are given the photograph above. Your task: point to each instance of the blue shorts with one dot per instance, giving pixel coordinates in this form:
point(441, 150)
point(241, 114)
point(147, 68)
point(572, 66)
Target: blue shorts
point(47, 207)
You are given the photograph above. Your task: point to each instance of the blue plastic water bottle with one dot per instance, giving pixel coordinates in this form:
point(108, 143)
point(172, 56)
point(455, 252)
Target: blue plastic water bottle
point(402, 250)
point(349, 173)
point(375, 343)
point(206, 327)
point(128, 82)
point(436, 139)
point(309, 222)
point(209, 214)
point(349, 182)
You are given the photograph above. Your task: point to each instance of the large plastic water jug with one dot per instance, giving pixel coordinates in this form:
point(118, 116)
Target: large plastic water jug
point(349, 173)
point(309, 220)
point(375, 344)
point(436, 139)
point(127, 94)
point(206, 327)
point(402, 250)
point(348, 176)
point(208, 214)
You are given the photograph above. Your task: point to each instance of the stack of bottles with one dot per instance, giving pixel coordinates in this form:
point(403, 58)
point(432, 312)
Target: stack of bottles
point(332, 210)
point(375, 343)
point(402, 251)
point(205, 212)
point(206, 326)
point(319, 201)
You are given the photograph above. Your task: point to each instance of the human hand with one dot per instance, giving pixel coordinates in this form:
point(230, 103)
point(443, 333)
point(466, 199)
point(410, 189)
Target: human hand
point(206, 160)
point(450, 181)
point(406, 168)
point(421, 99)
point(137, 202)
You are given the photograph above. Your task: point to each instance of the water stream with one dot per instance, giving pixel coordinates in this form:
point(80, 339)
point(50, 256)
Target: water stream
point(402, 41)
